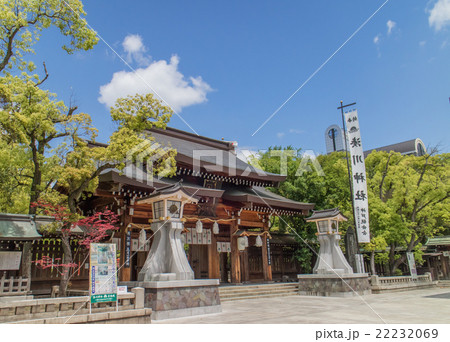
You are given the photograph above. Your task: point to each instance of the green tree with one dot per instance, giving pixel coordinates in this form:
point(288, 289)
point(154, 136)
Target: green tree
point(58, 142)
point(22, 21)
point(409, 200)
point(408, 197)
point(305, 183)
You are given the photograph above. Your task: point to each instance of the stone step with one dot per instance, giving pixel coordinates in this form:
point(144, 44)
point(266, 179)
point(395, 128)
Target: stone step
point(238, 291)
point(265, 293)
point(271, 289)
point(258, 296)
point(444, 283)
point(257, 287)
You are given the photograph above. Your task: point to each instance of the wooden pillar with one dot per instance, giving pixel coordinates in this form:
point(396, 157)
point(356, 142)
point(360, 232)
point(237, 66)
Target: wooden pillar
point(213, 259)
point(444, 264)
point(267, 269)
point(125, 272)
point(235, 261)
point(245, 272)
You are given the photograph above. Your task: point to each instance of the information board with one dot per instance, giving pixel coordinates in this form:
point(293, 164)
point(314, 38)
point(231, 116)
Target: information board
point(103, 273)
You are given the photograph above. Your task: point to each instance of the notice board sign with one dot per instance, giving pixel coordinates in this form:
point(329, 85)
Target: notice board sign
point(10, 261)
point(103, 273)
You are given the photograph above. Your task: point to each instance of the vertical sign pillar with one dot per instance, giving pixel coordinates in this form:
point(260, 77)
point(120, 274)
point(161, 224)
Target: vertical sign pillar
point(360, 197)
point(266, 257)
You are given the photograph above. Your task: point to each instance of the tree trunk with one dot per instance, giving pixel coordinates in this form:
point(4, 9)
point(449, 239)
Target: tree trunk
point(394, 264)
point(391, 259)
point(397, 263)
point(372, 263)
point(64, 282)
point(26, 260)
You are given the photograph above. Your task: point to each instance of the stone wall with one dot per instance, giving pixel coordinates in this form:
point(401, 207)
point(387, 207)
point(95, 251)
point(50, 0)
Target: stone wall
point(181, 297)
point(333, 285)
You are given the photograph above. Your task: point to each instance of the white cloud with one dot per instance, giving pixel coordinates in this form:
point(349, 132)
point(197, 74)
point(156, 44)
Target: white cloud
point(135, 49)
point(296, 131)
point(161, 78)
point(390, 25)
point(376, 40)
point(422, 43)
point(440, 14)
point(280, 135)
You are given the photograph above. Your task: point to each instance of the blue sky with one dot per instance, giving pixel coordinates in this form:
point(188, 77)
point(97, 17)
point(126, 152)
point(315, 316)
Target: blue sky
point(226, 66)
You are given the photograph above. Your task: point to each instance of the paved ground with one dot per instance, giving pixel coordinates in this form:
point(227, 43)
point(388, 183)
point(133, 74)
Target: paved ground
point(417, 306)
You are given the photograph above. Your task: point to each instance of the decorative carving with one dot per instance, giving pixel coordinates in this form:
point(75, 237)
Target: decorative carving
point(207, 207)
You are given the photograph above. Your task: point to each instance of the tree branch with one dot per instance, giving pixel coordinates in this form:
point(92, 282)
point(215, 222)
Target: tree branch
point(45, 78)
point(9, 51)
point(384, 176)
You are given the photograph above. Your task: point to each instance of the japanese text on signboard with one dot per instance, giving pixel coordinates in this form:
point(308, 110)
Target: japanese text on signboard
point(360, 199)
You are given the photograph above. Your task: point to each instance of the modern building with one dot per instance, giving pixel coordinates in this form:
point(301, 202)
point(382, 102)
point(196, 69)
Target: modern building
point(335, 142)
point(334, 139)
point(414, 146)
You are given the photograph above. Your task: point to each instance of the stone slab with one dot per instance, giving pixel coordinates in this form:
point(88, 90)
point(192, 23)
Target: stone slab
point(188, 312)
point(332, 285)
point(180, 298)
point(171, 283)
point(332, 276)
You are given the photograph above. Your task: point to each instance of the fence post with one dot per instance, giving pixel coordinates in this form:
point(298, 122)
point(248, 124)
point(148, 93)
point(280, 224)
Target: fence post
point(430, 278)
point(374, 280)
point(55, 291)
point(139, 294)
point(2, 283)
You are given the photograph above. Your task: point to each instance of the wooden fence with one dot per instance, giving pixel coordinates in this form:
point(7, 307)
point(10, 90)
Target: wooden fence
point(52, 248)
point(14, 286)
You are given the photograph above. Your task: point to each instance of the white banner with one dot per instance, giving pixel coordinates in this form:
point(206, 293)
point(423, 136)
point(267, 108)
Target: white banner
point(360, 199)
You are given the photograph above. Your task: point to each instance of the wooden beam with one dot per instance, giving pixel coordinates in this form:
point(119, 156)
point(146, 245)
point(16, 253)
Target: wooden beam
point(251, 224)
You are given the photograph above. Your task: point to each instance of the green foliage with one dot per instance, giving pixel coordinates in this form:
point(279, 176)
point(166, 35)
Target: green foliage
point(22, 21)
point(15, 166)
point(408, 196)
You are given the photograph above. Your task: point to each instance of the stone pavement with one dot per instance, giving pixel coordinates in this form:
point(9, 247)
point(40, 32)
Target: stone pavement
point(416, 306)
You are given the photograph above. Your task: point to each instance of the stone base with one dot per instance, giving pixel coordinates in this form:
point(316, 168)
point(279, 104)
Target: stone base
point(180, 298)
point(332, 285)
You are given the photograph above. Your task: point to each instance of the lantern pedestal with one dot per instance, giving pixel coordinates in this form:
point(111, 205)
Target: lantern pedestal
point(167, 277)
point(180, 298)
point(333, 276)
point(333, 285)
point(166, 260)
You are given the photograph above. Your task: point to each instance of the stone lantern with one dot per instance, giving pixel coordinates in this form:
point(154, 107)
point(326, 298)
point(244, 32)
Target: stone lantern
point(331, 260)
point(167, 259)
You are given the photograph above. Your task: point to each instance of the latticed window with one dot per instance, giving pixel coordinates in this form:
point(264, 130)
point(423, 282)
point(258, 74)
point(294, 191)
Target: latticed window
point(158, 209)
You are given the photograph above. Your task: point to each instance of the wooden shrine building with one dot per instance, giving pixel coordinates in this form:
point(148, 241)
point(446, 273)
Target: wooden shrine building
point(233, 208)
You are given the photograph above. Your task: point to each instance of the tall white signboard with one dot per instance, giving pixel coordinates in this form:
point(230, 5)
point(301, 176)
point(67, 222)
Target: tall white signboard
point(412, 264)
point(360, 199)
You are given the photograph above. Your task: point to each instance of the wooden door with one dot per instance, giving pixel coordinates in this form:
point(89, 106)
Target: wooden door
point(198, 259)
